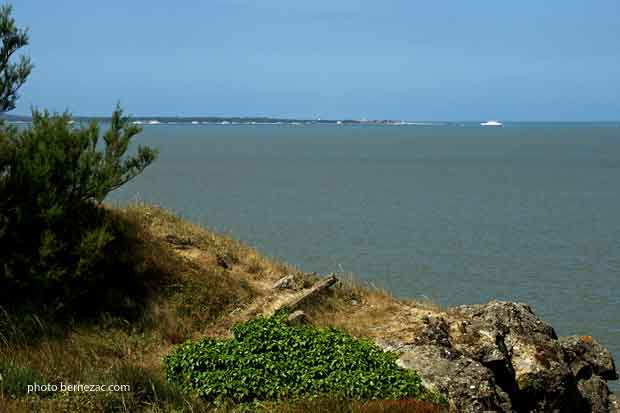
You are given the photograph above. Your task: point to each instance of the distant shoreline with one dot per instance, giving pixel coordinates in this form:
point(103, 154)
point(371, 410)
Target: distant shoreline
point(239, 120)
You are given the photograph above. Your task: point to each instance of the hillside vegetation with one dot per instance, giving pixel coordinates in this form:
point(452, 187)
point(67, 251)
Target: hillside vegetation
point(196, 285)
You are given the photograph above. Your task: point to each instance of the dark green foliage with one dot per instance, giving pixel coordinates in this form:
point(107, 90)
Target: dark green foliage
point(12, 75)
point(57, 244)
point(269, 360)
point(14, 380)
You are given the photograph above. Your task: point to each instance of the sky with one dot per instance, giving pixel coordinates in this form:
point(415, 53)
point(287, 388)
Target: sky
point(390, 59)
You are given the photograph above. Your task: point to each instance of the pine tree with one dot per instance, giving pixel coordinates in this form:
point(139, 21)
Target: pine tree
point(12, 75)
point(56, 244)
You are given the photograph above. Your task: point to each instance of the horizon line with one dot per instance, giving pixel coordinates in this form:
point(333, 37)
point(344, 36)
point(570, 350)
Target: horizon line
point(302, 119)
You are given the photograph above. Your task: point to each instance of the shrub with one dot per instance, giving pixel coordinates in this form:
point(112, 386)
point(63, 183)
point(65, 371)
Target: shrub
point(57, 245)
point(14, 380)
point(269, 360)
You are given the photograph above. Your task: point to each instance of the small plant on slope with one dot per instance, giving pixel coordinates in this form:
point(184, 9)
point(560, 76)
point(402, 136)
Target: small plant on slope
point(268, 360)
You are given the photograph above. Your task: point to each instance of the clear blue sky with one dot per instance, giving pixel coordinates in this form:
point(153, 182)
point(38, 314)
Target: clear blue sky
point(449, 60)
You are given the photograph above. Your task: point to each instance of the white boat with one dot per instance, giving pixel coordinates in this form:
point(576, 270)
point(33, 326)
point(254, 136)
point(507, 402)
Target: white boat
point(491, 123)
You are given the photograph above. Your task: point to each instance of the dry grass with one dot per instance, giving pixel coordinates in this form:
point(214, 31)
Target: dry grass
point(194, 277)
point(199, 283)
point(374, 406)
point(363, 310)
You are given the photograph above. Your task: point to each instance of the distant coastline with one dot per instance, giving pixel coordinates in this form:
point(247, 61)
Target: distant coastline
point(226, 120)
point(264, 120)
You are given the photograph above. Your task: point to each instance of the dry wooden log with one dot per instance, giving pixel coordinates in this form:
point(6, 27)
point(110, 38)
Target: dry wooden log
point(312, 292)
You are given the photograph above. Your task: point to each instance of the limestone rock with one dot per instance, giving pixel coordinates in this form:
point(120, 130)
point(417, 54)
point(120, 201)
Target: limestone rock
point(467, 384)
point(595, 391)
point(435, 331)
point(522, 350)
point(614, 404)
point(298, 318)
point(223, 261)
point(500, 356)
point(586, 357)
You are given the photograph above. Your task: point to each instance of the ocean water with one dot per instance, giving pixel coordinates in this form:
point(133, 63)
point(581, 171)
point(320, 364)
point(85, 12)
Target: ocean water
point(457, 214)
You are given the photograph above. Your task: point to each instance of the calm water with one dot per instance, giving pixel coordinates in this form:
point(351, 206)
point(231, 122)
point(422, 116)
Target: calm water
point(456, 214)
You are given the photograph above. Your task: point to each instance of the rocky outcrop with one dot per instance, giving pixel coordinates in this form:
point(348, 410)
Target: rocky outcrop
point(614, 404)
point(298, 318)
point(469, 385)
point(591, 365)
point(500, 356)
point(586, 357)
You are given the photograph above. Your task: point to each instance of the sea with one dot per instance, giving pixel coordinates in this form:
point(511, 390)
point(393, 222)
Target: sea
point(451, 212)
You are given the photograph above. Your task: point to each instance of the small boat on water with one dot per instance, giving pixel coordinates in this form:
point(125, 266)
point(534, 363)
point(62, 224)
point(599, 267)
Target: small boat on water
point(491, 123)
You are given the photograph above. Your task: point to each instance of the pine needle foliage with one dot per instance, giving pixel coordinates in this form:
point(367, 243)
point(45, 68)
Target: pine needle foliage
point(12, 74)
point(57, 245)
point(56, 242)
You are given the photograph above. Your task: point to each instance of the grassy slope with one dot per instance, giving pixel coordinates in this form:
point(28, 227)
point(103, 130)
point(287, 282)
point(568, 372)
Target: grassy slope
point(204, 283)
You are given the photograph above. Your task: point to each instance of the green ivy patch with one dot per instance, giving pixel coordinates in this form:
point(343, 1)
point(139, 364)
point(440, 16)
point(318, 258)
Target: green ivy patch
point(270, 360)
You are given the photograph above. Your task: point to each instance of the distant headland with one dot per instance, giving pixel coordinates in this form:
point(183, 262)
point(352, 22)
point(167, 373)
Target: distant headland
point(229, 120)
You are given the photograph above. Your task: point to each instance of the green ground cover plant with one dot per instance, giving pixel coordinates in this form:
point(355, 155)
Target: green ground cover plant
point(269, 360)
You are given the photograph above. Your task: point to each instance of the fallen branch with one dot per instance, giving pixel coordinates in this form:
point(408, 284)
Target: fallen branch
point(318, 288)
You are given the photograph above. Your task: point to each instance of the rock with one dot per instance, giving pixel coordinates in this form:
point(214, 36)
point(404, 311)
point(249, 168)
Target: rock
point(287, 282)
point(394, 346)
point(521, 350)
point(587, 357)
point(500, 356)
point(435, 332)
point(595, 391)
point(467, 384)
point(296, 281)
point(297, 318)
point(223, 261)
point(614, 404)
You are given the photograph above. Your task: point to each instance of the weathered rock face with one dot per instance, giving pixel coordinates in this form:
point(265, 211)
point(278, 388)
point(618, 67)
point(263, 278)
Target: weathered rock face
point(470, 386)
point(586, 357)
point(614, 404)
point(298, 318)
point(592, 365)
point(501, 357)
